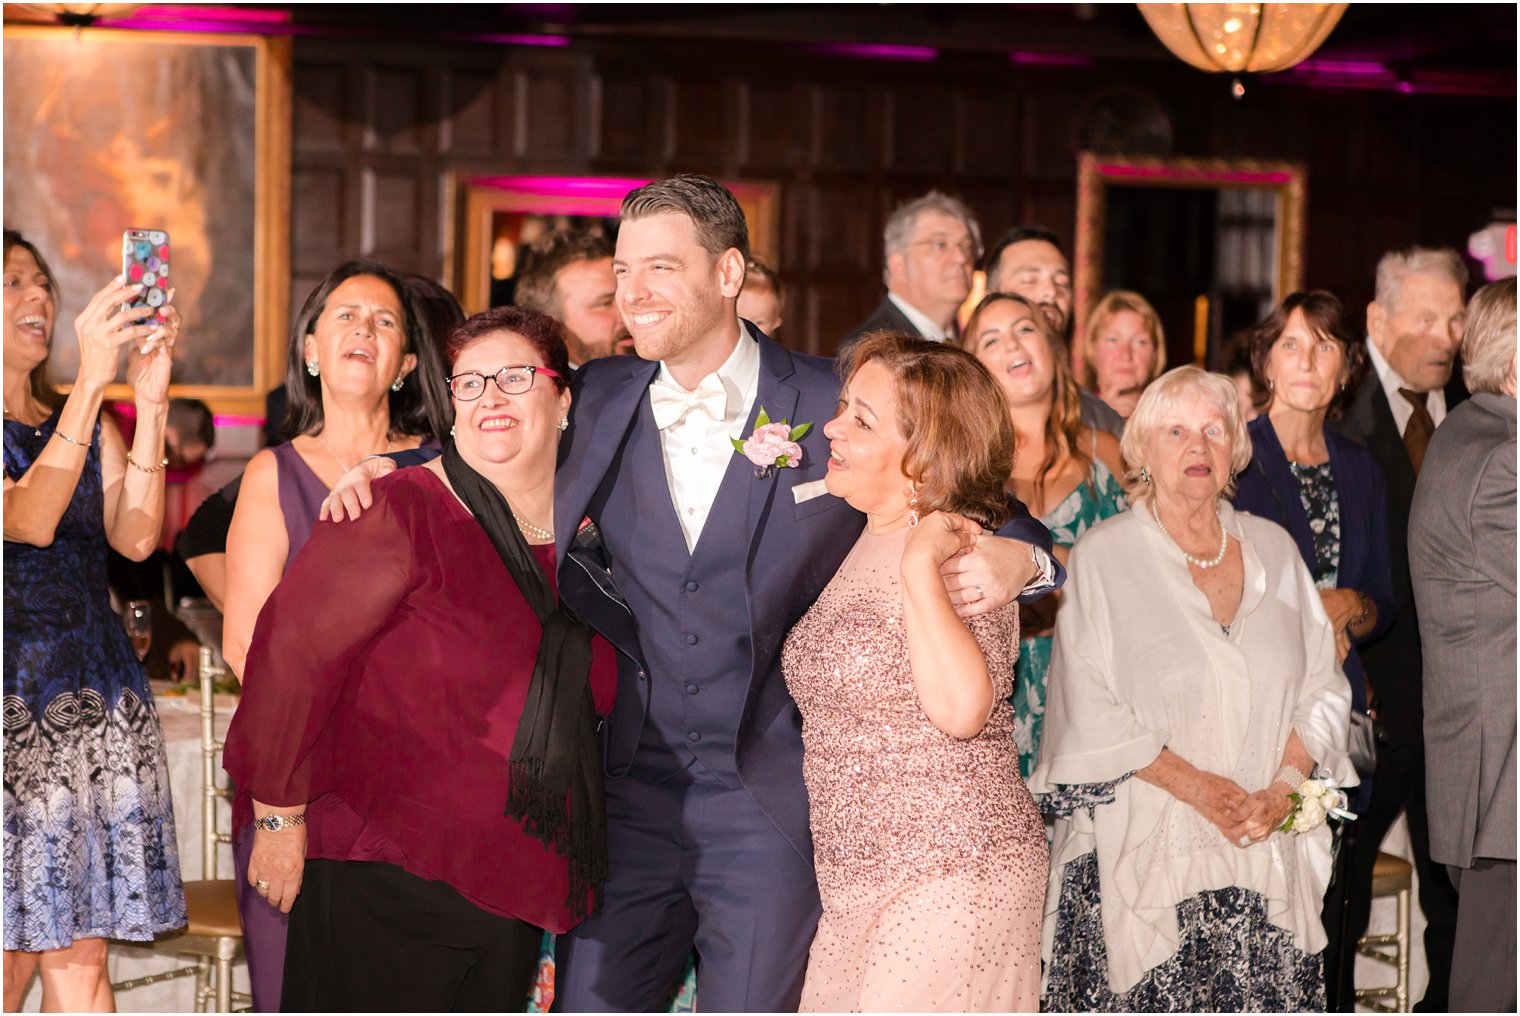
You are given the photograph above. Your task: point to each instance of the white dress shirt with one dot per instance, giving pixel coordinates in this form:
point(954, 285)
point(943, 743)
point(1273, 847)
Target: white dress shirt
point(927, 328)
point(1435, 401)
point(696, 447)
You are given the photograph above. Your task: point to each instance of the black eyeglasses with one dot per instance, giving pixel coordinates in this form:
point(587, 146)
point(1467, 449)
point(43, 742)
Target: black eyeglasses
point(471, 384)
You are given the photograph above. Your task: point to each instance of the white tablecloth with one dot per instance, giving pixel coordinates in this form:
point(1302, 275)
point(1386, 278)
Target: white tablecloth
point(180, 718)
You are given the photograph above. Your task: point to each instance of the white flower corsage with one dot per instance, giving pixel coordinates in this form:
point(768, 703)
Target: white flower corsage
point(1313, 802)
point(772, 445)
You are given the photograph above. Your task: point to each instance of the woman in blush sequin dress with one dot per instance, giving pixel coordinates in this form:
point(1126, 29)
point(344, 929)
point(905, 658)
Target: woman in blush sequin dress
point(930, 854)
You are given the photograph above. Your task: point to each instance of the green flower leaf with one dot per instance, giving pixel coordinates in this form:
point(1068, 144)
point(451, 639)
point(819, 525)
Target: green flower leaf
point(762, 419)
point(798, 431)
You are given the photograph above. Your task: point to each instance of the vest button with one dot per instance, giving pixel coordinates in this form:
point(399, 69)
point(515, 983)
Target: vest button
point(692, 689)
point(693, 737)
point(691, 587)
point(692, 640)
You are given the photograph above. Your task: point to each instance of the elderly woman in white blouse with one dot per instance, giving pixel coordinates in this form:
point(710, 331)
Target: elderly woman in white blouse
point(1195, 709)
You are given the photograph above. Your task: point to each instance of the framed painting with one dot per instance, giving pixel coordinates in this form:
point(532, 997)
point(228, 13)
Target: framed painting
point(498, 217)
point(107, 130)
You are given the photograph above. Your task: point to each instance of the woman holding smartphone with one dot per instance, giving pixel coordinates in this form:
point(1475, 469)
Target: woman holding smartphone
point(90, 852)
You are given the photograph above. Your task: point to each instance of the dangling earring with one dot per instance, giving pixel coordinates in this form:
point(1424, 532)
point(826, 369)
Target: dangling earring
point(1270, 384)
point(564, 424)
point(452, 429)
point(396, 384)
point(913, 509)
point(1145, 476)
point(311, 368)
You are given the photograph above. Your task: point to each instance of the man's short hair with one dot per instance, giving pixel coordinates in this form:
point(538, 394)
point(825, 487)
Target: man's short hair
point(193, 420)
point(898, 232)
point(712, 208)
point(1018, 234)
point(759, 277)
point(1398, 265)
point(541, 265)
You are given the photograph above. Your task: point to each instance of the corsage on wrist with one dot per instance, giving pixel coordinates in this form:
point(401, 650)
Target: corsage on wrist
point(1313, 802)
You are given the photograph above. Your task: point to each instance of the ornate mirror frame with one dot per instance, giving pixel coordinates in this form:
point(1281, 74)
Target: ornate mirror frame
point(1096, 173)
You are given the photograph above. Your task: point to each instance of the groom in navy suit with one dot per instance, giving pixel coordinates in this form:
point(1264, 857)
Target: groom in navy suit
point(703, 565)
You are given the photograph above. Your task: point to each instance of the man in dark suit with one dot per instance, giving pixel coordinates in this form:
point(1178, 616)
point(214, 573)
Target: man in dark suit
point(1462, 562)
point(1414, 328)
point(931, 244)
point(713, 562)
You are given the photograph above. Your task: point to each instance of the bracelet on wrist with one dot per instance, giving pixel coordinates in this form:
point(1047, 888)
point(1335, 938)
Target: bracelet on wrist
point(1291, 775)
point(163, 464)
point(76, 444)
point(1366, 611)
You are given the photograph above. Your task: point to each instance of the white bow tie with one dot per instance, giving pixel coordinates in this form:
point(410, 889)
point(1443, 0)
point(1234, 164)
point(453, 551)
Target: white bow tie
point(671, 403)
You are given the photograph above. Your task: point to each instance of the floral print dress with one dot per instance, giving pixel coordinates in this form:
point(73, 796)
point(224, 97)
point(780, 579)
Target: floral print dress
point(1095, 499)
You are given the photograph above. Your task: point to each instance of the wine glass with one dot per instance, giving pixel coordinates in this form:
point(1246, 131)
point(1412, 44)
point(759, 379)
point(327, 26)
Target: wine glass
point(139, 622)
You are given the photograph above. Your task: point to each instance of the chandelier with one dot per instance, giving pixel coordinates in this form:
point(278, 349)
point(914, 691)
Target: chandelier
point(1242, 38)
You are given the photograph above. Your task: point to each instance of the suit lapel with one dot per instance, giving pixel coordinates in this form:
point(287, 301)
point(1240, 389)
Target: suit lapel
point(779, 400)
point(600, 418)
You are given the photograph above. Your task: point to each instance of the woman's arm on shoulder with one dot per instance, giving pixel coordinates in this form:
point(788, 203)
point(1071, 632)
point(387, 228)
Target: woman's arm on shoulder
point(950, 673)
point(256, 548)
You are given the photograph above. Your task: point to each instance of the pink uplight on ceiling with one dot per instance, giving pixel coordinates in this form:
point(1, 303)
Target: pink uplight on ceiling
point(1049, 59)
point(1164, 173)
point(508, 38)
point(878, 51)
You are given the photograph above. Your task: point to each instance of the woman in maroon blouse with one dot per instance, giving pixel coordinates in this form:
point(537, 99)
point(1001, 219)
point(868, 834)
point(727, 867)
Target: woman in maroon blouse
point(422, 698)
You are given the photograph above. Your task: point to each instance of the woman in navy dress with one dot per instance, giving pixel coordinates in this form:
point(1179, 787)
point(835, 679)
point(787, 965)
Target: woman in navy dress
point(90, 853)
point(1328, 493)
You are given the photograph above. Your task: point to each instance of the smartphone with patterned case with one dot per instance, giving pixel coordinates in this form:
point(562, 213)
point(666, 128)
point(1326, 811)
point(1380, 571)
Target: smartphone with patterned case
point(145, 259)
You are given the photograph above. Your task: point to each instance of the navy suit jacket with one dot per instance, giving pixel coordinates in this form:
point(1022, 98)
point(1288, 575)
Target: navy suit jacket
point(1268, 489)
point(794, 550)
point(886, 317)
point(1392, 659)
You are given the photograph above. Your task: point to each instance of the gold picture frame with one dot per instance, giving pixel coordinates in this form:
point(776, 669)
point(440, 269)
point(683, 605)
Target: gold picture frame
point(200, 147)
point(479, 199)
point(1096, 174)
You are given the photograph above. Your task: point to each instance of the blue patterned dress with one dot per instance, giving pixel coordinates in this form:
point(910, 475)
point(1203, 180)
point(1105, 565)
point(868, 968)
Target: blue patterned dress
point(89, 827)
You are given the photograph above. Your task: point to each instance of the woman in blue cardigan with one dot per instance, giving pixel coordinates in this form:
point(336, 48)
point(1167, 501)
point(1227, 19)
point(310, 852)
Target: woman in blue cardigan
point(1328, 493)
point(1324, 489)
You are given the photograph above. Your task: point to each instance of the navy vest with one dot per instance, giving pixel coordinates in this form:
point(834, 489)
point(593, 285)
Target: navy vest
point(691, 608)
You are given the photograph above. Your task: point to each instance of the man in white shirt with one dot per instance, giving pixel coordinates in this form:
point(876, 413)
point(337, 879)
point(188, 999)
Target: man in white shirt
point(932, 244)
point(1414, 329)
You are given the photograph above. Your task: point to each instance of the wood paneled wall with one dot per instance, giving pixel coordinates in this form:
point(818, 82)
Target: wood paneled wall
point(379, 125)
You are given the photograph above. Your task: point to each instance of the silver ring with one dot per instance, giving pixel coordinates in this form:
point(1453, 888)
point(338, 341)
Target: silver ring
point(979, 595)
point(261, 886)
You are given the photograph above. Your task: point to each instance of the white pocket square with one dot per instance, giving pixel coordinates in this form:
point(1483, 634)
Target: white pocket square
point(807, 491)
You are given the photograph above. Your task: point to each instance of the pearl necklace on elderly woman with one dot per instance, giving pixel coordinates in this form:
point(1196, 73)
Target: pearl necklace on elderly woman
point(1224, 543)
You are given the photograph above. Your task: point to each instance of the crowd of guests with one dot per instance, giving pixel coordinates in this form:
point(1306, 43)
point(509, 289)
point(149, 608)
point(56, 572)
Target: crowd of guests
point(989, 667)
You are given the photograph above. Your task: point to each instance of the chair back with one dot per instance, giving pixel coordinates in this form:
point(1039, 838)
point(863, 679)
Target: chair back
point(213, 790)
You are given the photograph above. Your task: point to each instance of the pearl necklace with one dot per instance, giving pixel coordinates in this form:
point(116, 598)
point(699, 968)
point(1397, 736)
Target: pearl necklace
point(1198, 562)
point(529, 529)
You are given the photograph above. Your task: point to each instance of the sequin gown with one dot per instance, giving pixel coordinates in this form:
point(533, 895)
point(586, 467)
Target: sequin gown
point(930, 854)
point(89, 825)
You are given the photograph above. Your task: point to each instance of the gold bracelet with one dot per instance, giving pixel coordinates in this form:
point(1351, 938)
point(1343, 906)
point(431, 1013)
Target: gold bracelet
point(76, 444)
point(158, 468)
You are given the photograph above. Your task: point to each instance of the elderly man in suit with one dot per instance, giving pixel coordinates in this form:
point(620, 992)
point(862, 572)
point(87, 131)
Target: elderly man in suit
point(932, 244)
point(1414, 328)
point(1462, 562)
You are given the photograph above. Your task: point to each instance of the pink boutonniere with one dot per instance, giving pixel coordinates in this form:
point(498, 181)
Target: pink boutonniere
point(772, 445)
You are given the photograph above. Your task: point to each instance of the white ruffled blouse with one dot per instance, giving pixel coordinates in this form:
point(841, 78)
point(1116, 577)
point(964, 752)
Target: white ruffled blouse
point(1140, 664)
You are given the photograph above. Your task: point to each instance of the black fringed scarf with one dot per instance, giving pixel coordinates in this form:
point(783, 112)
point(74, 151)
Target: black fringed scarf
point(555, 769)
